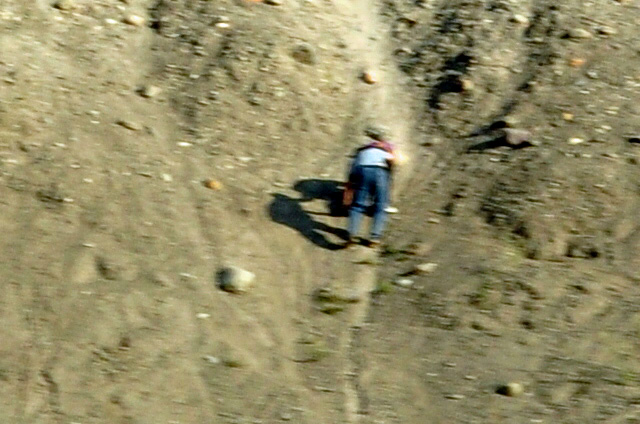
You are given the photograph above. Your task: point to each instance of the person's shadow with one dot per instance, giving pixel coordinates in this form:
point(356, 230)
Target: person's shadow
point(289, 211)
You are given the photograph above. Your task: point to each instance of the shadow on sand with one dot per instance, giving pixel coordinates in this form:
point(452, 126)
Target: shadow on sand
point(288, 211)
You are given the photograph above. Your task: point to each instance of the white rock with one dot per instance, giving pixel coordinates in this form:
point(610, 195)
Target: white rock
point(575, 140)
point(212, 359)
point(580, 33)
point(134, 20)
point(521, 19)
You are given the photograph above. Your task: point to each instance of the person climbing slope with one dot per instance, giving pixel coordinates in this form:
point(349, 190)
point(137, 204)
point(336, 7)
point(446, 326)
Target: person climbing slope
point(369, 178)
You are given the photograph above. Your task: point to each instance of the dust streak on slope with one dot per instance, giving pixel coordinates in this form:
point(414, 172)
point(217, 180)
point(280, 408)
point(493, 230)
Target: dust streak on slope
point(389, 106)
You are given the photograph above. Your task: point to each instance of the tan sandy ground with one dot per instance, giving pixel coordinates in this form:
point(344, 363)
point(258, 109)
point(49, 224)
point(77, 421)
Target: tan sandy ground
point(110, 241)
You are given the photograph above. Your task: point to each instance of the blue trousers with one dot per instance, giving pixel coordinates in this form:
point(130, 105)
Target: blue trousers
point(370, 184)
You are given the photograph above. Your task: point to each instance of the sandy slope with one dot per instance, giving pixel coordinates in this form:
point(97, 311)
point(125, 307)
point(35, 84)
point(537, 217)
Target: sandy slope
point(111, 241)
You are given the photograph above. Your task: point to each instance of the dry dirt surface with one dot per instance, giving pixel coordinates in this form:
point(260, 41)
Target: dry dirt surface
point(146, 145)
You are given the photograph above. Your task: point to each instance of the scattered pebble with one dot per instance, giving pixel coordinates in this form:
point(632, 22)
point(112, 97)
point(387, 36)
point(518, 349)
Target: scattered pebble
point(149, 91)
point(577, 62)
point(579, 34)
point(592, 74)
point(134, 20)
point(273, 2)
point(212, 184)
point(575, 140)
point(404, 282)
point(212, 359)
point(327, 294)
point(331, 308)
point(133, 126)
point(607, 30)
point(567, 116)
point(369, 77)
point(454, 396)
point(426, 268)
point(285, 416)
point(203, 315)
point(520, 19)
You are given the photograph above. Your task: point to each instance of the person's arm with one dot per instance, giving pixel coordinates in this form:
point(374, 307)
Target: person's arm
point(391, 160)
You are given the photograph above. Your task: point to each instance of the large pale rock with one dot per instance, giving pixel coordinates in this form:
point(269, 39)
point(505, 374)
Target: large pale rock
point(234, 279)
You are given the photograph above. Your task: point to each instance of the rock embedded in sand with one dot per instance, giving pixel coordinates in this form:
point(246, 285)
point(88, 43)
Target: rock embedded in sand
point(64, 4)
point(607, 30)
point(454, 396)
point(234, 279)
point(273, 2)
point(133, 126)
point(304, 53)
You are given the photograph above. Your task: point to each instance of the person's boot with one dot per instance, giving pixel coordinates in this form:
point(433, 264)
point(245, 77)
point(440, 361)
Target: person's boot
point(374, 243)
point(351, 241)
